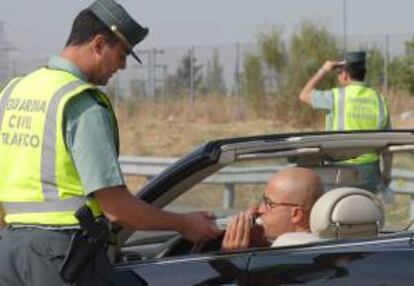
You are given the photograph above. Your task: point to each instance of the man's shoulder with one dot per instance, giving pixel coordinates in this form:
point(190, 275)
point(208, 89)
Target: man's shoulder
point(322, 99)
point(85, 101)
point(295, 238)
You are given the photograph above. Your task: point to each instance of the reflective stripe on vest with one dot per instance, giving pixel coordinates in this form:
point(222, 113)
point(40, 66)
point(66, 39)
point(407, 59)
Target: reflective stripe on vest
point(382, 119)
point(341, 109)
point(7, 92)
point(52, 202)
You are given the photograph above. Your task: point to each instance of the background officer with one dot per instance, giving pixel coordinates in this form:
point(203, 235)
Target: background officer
point(351, 106)
point(60, 150)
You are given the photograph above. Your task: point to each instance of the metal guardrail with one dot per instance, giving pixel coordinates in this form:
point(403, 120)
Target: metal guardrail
point(402, 180)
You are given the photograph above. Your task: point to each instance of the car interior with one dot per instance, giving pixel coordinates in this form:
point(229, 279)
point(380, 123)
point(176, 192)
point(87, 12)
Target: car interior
point(344, 212)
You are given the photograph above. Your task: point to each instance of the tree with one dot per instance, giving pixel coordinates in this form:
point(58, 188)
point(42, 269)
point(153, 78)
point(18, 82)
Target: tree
point(401, 69)
point(253, 81)
point(375, 67)
point(214, 81)
point(272, 49)
point(309, 48)
point(188, 72)
point(273, 53)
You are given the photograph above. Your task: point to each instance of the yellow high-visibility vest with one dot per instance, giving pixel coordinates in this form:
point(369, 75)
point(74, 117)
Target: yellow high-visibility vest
point(357, 107)
point(39, 183)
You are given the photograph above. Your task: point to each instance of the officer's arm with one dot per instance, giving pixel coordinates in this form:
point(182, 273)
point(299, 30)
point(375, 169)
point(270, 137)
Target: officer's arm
point(305, 94)
point(124, 209)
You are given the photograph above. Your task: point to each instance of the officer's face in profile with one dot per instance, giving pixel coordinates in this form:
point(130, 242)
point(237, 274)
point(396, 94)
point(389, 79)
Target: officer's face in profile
point(109, 59)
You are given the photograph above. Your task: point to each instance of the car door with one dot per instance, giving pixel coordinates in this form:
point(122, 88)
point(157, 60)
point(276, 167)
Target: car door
point(219, 269)
point(376, 263)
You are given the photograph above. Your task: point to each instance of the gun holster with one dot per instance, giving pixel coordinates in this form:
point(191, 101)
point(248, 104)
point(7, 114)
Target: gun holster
point(85, 244)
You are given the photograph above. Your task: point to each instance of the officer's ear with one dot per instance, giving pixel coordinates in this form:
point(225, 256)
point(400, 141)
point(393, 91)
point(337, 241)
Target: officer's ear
point(98, 43)
point(346, 76)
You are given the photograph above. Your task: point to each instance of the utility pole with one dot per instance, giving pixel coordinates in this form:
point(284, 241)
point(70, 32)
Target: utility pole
point(152, 67)
point(344, 25)
point(191, 75)
point(160, 78)
point(237, 79)
point(155, 67)
point(386, 59)
point(146, 53)
point(5, 49)
point(237, 70)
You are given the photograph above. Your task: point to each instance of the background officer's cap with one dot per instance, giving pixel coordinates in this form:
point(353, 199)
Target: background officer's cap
point(355, 57)
point(117, 19)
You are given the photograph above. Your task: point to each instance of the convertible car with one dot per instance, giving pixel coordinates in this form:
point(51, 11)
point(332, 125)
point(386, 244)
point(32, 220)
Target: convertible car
point(363, 241)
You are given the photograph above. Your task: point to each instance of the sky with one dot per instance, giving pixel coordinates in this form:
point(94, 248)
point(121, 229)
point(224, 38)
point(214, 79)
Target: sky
point(42, 26)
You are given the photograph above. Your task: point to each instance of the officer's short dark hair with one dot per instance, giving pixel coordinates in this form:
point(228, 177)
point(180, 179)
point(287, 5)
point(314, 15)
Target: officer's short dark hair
point(86, 26)
point(356, 71)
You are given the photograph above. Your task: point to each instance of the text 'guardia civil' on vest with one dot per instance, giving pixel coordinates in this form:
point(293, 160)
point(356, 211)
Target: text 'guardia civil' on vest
point(26, 105)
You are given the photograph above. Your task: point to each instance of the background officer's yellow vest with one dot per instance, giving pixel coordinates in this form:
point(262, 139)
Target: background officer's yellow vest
point(39, 183)
point(357, 107)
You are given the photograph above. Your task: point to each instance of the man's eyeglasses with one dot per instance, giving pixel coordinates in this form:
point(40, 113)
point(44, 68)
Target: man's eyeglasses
point(269, 204)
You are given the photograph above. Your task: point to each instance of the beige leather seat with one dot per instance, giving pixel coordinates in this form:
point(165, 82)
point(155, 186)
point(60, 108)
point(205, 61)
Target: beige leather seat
point(347, 213)
point(295, 238)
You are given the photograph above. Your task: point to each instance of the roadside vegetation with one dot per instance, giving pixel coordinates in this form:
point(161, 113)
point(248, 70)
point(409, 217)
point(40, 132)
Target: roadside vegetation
point(263, 98)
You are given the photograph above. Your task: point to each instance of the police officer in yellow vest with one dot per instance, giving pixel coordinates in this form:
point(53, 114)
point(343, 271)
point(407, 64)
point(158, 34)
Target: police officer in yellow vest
point(351, 106)
point(59, 149)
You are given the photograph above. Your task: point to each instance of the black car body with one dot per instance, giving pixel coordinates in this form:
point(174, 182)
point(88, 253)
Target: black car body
point(165, 259)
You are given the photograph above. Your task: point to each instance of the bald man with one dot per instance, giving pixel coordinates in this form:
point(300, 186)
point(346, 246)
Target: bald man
point(283, 214)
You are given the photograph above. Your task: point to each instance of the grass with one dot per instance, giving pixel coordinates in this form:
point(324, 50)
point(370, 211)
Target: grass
point(398, 213)
point(174, 127)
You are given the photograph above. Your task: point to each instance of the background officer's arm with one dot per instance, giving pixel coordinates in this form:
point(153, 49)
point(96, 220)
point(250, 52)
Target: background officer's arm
point(124, 209)
point(305, 94)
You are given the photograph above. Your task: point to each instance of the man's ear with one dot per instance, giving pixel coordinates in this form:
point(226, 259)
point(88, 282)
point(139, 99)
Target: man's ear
point(98, 44)
point(347, 77)
point(297, 215)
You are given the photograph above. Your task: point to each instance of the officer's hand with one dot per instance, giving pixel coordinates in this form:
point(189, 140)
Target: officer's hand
point(237, 236)
point(199, 227)
point(329, 66)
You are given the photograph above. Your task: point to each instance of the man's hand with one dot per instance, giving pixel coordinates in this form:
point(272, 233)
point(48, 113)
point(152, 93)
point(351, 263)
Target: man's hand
point(199, 227)
point(305, 94)
point(257, 236)
point(122, 208)
point(328, 66)
point(237, 236)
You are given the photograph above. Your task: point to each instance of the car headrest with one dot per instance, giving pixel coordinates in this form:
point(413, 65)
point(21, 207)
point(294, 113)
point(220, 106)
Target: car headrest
point(346, 213)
